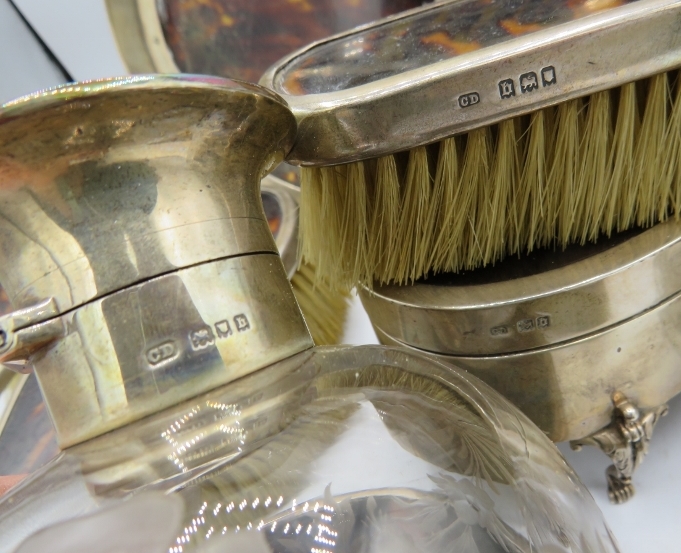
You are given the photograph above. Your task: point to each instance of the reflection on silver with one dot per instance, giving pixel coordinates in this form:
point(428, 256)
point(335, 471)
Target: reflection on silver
point(286, 237)
point(130, 234)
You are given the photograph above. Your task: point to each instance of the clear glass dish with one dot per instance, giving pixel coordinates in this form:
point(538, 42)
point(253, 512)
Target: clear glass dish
point(334, 449)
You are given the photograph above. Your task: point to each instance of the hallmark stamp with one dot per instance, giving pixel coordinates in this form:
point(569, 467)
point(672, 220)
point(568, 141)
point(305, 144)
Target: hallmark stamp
point(222, 329)
point(525, 325)
point(548, 76)
point(242, 323)
point(201, 338)
point(544, 321)
point(528, 82)
point(469, 99)
point(499, 331)
point(162, 353)
point(506, 89)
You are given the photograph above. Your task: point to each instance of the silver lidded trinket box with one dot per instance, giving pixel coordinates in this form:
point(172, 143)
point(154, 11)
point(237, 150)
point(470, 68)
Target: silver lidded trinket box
point(584, 341)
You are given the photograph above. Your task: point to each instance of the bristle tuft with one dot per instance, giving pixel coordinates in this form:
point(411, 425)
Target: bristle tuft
point(672, 156)
point(504, 183)
point(444, 203)
point(620, 196)
point(531, 194)
point(561, 175)
point(649, 145)
point(595, 150)
point(412, 233)
point(325, 310)
point(385, 219)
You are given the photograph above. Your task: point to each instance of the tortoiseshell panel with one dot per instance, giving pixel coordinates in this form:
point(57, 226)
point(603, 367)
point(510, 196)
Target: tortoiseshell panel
point(242, 38)
point(426, 38)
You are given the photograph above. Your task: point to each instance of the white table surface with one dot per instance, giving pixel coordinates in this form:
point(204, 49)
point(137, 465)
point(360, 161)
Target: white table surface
point(78, 33)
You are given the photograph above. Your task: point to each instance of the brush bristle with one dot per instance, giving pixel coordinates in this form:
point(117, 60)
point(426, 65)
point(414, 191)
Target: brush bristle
point(324, 309)
point(565, 174)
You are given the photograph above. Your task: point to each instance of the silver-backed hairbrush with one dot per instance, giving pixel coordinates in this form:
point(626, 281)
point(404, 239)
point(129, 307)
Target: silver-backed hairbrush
point(453, 135)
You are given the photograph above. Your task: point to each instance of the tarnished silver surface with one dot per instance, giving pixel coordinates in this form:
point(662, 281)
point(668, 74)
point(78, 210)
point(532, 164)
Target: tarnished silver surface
point(143, 47)
point(625, 441)
point(407, 108)
point(557, 342)
point(134, 206)
point(123, 185)
point(157, 343)
point(566, 389)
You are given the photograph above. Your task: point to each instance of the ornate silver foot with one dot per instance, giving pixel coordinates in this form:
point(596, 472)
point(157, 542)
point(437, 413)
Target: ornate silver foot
point(625, 441)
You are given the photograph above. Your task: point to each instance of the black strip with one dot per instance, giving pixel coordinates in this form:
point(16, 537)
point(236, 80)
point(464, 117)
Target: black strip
point(67, 76)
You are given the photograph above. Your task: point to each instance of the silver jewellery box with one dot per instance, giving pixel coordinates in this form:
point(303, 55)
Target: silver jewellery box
point(584, 341)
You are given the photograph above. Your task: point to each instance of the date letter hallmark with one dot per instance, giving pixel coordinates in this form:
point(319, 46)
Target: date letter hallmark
point(506, 89)
point(469, 99)
point(201, 338)
point(161, 354)
point(528, 82)
point(242, 323)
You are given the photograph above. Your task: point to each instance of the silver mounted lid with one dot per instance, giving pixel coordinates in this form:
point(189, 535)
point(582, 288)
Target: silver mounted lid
point(560, 334)
point(544, 298)
point(135, 247)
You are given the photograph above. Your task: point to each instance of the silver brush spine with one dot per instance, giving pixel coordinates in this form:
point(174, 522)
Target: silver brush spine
point(479, 88)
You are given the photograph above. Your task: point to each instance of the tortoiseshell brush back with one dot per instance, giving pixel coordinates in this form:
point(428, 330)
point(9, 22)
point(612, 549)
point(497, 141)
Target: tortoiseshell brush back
point(242, 38)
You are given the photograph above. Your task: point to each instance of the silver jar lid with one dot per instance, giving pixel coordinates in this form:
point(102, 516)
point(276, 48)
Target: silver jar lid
point(135, 250)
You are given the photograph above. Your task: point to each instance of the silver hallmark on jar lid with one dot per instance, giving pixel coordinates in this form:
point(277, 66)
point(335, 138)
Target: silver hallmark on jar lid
point(135, 247)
